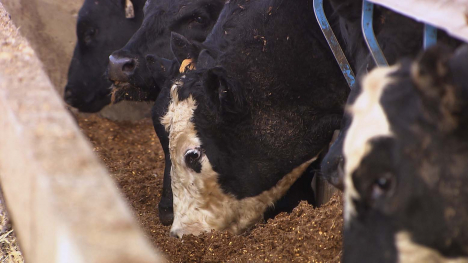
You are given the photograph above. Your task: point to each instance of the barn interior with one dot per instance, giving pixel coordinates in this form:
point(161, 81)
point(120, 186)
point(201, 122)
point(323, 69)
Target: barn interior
point(123, 138)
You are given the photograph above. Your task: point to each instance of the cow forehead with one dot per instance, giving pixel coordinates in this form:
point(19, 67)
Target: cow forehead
point(369, 121)
point(369, 118)
point(166, 120)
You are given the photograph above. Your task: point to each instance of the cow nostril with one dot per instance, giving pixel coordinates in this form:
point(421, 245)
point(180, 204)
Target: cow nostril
point(121, 68)
point(173, 234)
point(129, 66)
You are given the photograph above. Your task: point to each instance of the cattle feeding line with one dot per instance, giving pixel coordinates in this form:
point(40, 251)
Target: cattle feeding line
point(334, 44)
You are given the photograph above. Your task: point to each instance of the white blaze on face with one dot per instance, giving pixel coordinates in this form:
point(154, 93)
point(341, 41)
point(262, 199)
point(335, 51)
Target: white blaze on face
point(199, 202)
point(369, 121)
point(410, 252)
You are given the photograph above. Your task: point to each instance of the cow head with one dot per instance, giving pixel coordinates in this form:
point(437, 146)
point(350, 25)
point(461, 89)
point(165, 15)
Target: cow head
point(101, 28)
point(205, 199)
point(406, 154)
point(240, 132)
point(129, 67)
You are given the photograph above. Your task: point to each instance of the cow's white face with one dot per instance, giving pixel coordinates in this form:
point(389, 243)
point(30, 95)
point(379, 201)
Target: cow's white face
point(369, 121)
point(200, 204)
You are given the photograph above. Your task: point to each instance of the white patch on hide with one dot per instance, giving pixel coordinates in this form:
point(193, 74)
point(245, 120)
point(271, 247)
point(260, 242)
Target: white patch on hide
point(410, 252)
point(369, 121)
point(200, 205)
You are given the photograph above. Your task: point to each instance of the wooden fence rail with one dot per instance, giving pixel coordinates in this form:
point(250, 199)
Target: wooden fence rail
point(64, 205)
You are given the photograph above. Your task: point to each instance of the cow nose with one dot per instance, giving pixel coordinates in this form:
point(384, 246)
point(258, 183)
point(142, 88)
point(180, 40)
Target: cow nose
point(174, 233)
point(121, 68)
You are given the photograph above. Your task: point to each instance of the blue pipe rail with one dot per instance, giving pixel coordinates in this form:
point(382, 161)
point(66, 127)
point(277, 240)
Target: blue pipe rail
point(369, 36)
point(430, 36)
point(334, 44)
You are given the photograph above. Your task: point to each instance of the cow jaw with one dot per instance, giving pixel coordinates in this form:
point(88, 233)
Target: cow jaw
point(369, 121)
point(200, 204)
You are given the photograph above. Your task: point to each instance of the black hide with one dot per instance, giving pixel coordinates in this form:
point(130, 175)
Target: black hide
point(150, 45)
point(269, 96)
point(101, 29)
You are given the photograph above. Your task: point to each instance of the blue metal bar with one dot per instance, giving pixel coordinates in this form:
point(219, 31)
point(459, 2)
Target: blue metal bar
point(333, 43)
point(430, 36)
point(369, 36)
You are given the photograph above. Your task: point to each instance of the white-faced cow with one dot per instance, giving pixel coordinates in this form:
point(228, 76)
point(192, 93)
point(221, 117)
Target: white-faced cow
point(399, 37)
point(102, 27)
point(141, 68)
point(257, 112)
point(406, 170)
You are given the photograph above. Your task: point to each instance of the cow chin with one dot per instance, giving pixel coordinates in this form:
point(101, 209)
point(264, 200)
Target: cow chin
point(200, 204)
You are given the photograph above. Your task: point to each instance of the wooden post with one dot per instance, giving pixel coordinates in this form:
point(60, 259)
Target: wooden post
point(64, 205)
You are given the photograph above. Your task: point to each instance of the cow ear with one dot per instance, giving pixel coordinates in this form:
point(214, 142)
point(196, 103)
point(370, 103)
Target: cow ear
point(183, 49)
point(430, 71)
point(432, 76)
point(224, 97)
point(459, 67)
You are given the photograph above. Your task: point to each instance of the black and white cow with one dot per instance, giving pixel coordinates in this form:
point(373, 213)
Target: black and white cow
point(406, 150)
point(398, 35)
point(102, 27)
point(243, 127)
point(141, 68)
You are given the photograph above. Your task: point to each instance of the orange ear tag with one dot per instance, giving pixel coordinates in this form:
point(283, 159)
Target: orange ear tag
point(187, 64)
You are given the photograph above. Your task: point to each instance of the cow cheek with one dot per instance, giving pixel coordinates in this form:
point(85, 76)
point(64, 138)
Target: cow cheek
point(186, 199)
point(197, 206)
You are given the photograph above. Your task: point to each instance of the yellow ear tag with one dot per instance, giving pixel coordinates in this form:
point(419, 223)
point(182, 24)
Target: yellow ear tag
point(187, 64)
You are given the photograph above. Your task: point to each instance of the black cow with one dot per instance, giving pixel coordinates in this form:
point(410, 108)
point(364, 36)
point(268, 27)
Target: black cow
point(102, 28)
point(140, 69)
point(399, 37)
point(263, 103)
point(128, 67)
point(406, 151)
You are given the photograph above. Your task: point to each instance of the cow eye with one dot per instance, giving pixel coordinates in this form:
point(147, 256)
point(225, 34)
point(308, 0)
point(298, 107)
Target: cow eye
point(192, 159)
point(381, 186)
point(200, 20)
point(89, 35)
